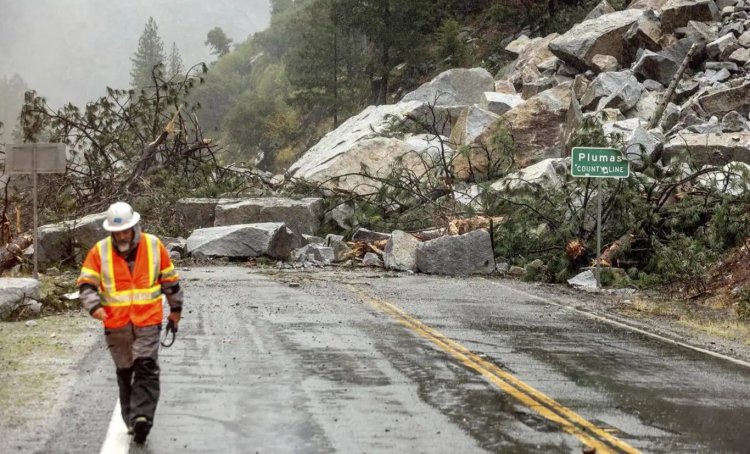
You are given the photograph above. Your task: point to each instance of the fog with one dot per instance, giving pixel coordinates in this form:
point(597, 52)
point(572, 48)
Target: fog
point(70, 50)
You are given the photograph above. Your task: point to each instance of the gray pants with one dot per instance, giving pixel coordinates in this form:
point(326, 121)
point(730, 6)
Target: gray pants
point(135, 352)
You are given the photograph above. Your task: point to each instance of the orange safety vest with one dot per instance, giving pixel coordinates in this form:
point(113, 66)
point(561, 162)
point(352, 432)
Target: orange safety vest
point(129, 297)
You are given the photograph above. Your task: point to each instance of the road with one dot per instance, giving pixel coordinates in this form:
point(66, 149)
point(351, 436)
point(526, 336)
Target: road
point(355, 362)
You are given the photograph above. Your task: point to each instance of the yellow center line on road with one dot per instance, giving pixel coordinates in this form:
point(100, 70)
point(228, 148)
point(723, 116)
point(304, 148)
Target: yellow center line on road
point(570, 421)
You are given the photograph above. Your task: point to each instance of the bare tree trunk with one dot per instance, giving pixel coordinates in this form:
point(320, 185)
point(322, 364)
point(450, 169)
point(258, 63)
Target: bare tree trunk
point(616, 249)
point(670, 91)
point(11, 253)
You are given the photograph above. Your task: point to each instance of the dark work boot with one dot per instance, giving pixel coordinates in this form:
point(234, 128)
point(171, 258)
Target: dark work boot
point(141, 428)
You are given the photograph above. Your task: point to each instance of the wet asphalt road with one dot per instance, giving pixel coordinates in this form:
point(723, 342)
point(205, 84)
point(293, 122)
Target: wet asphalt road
point(368, 362)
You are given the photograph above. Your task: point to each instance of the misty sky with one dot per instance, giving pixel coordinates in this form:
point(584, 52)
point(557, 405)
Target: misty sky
point(70, 50)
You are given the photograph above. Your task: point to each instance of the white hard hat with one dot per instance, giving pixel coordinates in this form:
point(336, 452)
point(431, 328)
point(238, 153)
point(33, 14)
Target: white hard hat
point(120, 216)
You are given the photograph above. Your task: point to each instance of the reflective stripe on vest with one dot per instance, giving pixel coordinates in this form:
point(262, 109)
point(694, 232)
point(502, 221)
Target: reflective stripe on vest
point(131, 304)
point(88, 276)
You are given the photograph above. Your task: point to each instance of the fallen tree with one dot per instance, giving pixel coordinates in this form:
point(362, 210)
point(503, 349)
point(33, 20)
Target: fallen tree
point(12, 253)
point(143, 146)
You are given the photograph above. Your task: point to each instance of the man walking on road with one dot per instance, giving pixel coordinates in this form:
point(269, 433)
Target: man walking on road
point(122, 282)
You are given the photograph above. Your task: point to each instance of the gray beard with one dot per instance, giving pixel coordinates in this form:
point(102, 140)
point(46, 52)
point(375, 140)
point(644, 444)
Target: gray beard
point(123, 247)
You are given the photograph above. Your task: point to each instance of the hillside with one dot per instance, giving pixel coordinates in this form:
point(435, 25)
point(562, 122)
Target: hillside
point(321, 61)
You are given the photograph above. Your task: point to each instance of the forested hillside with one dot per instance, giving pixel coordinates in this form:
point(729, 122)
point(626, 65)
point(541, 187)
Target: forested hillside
point(321, 61)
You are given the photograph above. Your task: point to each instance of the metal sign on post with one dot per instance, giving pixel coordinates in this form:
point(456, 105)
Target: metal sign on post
point(592, 162)
point(598, 163)
point(35, 158)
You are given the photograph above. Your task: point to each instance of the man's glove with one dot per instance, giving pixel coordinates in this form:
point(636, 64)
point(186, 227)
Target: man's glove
point(99, 313)
point(92, 302)
point(174, 317)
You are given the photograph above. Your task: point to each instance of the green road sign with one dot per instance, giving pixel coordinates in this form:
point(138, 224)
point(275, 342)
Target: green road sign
point(592, 162)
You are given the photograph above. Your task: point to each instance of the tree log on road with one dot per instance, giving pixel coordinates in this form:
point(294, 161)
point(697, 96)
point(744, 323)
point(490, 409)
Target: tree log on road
point(610, 255)
point(11, 253)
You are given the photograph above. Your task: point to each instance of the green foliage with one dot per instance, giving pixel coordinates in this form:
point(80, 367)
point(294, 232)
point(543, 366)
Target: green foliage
point(569, 15)
point(175, 67)
point(614, 277)
point(452, 43)
point(682, 264)
point(124, 145)
point(502, 13)
point(218, 41)
point(396, 32)
point(730, 224)
point(591, 134)
point(676, 236)
point(537, 226)
point(535, 271)
point(149, 58)
point(275, 123)
point(325, 61)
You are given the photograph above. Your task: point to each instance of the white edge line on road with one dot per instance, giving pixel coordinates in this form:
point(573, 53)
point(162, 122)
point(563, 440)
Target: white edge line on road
point(117, 440)
point(630, 327)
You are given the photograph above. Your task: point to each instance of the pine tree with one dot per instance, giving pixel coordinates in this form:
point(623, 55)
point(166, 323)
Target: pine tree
point(219, 42)
point(395, 31)
point(325, 60)
point(150, 53)
point(176, 67)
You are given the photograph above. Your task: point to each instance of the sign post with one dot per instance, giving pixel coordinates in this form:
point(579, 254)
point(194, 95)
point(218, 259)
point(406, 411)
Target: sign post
point(35, 158)
point(591, 162)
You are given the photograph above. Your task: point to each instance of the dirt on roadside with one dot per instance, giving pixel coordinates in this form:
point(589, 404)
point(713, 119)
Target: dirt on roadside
point(732, 272)
point(38, 365)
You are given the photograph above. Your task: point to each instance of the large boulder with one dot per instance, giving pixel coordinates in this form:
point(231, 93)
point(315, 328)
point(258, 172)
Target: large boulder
point(603, 35)
point(369, 236)
point(272, 239)
point(725, 101)
point(15, 293)
point(454, 87)
point(69, 239)
point(472, 122)
point(313, 253)
point(549, 173)
point(600, 10)
point(400, 252)
point(618, 90)
point(662, 66)
point(302, 216)
point(638, 143)
point(721, 48)
point(536, 127)
point(498, 103)
point(677, 13)
point(518, 45)
point(712, 148)
point(378, 156)
point(195, 213)
point(533, 58)
point(647, 4)
point(461, 255)
point(359, 141)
